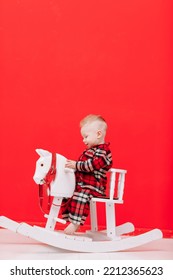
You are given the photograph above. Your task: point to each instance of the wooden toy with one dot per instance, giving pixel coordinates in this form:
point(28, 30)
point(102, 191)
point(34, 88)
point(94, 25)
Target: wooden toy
point(60, 182)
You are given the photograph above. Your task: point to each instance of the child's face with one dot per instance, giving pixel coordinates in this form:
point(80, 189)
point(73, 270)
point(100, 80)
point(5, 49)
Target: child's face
point(90, 134)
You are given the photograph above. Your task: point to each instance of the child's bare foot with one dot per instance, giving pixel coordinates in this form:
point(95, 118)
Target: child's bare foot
point(71, 229)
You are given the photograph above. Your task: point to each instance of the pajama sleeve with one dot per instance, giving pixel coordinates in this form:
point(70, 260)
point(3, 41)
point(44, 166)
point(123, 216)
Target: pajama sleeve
point(100, 160)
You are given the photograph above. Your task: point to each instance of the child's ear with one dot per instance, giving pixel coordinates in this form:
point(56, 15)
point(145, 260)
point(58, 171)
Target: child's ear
point(99, 133)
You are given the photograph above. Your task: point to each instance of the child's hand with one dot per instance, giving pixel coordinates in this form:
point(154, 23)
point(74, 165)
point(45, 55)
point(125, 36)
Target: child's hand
point(70, 164)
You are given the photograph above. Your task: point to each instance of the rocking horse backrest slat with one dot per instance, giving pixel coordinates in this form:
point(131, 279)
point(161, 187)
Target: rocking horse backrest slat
point(117, 180)
point(112, 184)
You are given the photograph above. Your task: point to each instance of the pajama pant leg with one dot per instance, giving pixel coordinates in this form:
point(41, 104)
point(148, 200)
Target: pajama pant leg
point(77, 208)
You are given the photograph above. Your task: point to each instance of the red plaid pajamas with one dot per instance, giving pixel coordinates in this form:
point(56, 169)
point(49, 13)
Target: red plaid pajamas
point(91, 169)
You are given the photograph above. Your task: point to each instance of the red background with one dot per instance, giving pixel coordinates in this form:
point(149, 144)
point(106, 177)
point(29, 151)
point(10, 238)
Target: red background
point(61, 60)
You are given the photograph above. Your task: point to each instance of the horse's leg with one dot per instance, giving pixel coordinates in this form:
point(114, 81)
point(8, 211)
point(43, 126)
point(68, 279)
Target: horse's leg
point(53, 214)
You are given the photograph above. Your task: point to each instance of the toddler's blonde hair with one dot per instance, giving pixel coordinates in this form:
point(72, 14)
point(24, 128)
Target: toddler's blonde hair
point(94, 118)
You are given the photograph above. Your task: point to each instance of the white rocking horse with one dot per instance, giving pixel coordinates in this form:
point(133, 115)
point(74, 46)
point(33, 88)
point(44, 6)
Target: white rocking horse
point(50, 170)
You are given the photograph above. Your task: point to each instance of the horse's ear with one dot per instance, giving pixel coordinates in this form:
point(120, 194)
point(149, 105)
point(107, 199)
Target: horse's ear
point(42, 153)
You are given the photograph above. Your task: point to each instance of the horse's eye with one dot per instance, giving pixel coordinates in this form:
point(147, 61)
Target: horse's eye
point(42, 164)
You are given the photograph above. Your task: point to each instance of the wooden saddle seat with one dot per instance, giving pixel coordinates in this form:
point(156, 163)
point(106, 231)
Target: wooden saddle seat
point(115, 196)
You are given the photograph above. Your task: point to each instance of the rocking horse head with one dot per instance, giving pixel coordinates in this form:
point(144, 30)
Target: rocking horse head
point(51, 167)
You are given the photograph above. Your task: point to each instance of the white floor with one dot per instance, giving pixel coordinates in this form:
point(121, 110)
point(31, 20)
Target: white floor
point(14, 246)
